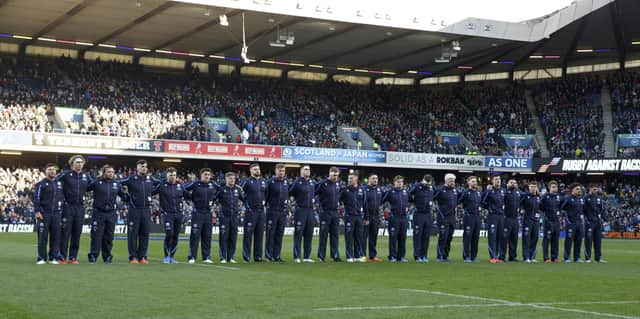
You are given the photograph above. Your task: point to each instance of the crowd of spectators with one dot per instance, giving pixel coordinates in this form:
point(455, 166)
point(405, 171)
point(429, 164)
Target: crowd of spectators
point(625, 106)
point(625, 102)
point(279, 112)
point(120, 99)
point(16, 193)
point(124, 99)
point(570, 112)
point(401, 119)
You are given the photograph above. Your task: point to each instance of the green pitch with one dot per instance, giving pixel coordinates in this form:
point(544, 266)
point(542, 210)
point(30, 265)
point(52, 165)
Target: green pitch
point(329, 290)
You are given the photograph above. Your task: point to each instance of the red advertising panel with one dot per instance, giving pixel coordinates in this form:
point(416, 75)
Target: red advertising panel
point(222, 149)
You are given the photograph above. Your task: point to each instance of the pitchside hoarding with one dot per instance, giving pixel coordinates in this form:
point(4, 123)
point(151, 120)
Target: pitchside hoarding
point(607, 165)
point(332, 155)
point(435, 161)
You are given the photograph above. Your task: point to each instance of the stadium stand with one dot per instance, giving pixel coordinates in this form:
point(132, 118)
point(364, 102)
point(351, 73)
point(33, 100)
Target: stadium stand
point(570, 112)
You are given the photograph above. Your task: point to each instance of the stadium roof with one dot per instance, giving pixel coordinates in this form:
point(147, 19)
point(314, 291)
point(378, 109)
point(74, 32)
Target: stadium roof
point(596, 31)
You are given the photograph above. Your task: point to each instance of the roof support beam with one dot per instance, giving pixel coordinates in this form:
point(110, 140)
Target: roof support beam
point(498, 56)
point(479, 55)
point(58, 21)
point(364, 47)
point(412, 52)
point(130, 25)
point(311, 42)
point(360, 48)
point(189, 33)
point(251, 39)
point(618, 31)
point(572, 46)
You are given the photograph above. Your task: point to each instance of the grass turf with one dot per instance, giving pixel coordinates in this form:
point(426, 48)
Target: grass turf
point(338, 290)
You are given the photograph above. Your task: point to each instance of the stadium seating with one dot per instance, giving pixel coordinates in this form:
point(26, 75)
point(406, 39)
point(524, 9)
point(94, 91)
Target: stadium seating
point(123, 100)
point(625, 104)
point(570, 112)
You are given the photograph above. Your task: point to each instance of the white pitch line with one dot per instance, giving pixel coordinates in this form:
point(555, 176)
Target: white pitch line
point(535, 305)
point(622, 302)
point(411, 307)
point(440, 293)
point(595, 313)
point(511, 303)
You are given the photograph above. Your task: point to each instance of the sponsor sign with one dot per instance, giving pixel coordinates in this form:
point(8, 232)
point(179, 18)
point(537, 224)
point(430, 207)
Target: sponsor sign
point(333, 155)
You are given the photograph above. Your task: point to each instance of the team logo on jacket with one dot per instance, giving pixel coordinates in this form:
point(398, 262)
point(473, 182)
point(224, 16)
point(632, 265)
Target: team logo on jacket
point(178, 187)
point(115, 185)
point(84, 177)
point(59, 185)
point(210, 185)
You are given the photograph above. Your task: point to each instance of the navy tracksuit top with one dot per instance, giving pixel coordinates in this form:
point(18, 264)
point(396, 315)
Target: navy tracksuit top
point(531, 206)
point(494, 201)
point(422, 196)
point(202, 195)
point(354, 199)
point(171, 196)
point(277, 194)
point(229, 198)
point(399, 201)
point(303, 190)
point(48, 197)
point(105, 193)
point(594, 209)
point(255, 190)
point(140, 190)
point(470, 201)
point(512, 198)
point(373, 198)
point(329, 194)
point(575, 209)
point(550, 206)
point(74, 185)
point(447, 198)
